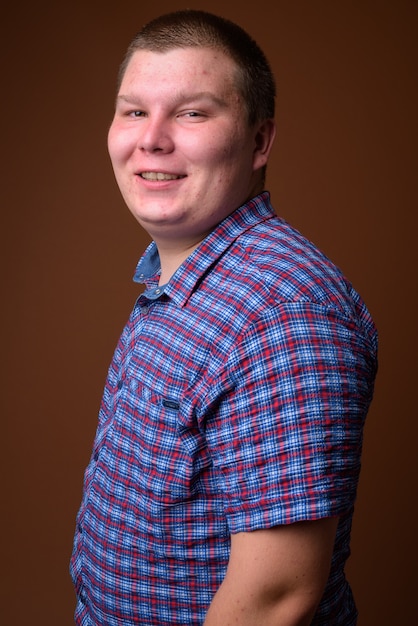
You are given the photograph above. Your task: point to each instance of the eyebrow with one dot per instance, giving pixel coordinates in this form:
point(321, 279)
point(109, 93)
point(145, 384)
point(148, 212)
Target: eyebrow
point(180, 97)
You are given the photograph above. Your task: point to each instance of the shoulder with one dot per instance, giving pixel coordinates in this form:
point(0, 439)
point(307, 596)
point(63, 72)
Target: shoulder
point(274, 260)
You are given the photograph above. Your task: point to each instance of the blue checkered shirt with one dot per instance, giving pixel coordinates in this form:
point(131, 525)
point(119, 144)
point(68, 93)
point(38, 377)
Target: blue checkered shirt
point(235, 401)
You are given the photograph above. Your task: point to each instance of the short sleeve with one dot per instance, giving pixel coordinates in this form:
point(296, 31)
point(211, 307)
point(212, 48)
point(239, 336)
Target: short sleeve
point(287, 434)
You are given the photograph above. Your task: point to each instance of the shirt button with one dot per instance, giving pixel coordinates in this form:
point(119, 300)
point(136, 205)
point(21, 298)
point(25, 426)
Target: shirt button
point(83, 596)
point(158, 291)
point(120, 384)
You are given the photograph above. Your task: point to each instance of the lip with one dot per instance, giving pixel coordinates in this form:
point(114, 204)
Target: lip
point(159, 176)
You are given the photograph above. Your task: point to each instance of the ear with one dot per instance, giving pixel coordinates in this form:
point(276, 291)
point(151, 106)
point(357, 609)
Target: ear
point(264, 138)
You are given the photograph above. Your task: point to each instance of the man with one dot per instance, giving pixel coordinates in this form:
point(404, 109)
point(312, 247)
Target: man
point(224, 470)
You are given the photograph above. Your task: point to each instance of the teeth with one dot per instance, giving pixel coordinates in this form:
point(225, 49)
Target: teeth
point(158, 176)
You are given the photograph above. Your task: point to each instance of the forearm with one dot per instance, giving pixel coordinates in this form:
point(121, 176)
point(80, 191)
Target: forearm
point(275, 577)
point(230, 607)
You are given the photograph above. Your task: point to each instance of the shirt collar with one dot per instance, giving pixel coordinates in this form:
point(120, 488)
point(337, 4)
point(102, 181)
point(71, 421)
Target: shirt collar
point(183, 282)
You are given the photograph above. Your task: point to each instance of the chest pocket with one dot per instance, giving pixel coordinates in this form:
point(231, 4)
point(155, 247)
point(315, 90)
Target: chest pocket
point(157, 431)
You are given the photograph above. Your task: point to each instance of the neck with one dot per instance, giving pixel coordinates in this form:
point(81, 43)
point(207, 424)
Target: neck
point(172, 256)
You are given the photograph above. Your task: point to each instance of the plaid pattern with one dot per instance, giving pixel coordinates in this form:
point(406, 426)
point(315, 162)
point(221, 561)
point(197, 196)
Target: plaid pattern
point(235, 401)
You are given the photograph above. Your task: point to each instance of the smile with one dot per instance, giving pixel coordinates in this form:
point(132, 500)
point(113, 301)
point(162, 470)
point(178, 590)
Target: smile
point(159, 176)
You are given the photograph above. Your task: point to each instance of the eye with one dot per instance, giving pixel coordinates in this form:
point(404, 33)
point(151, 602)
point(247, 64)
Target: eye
point(135, 114)
point(192, 115)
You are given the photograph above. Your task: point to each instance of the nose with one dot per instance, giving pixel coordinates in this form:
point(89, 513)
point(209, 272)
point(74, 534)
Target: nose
point(155, 136)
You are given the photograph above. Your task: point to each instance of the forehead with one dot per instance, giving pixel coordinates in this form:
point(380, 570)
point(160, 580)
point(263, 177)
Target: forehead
point(191, 65)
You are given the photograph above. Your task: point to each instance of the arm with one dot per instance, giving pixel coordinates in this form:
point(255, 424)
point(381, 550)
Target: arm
point(275, 577)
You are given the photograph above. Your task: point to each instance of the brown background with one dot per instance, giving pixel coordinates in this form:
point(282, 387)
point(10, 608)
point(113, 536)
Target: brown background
point(343, 171)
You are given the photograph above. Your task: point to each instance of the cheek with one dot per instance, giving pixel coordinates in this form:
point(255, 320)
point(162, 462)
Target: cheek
point(234, 150)
point(120, 145)
point(210, 149)
point(111, 140)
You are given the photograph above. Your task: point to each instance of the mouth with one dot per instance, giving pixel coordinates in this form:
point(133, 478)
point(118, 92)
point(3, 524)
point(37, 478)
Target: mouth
point(160, 176)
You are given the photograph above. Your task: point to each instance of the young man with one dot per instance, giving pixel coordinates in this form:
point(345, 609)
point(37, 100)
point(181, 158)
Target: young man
point(224, 470)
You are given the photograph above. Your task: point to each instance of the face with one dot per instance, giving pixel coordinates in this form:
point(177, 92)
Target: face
point(182, 151)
